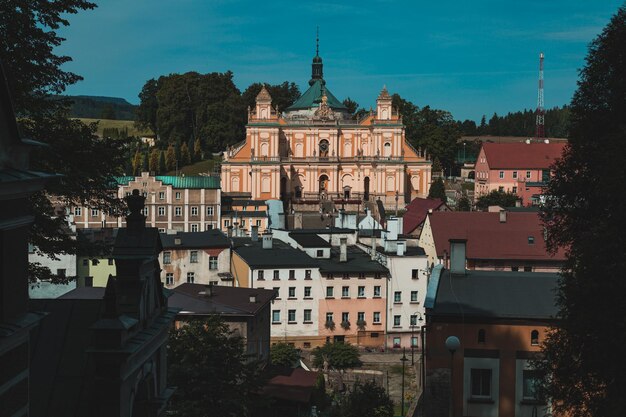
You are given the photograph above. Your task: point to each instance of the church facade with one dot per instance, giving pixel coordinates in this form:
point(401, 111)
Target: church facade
point(315, 150)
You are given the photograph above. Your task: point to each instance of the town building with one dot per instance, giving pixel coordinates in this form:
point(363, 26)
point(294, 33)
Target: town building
point(518, 168)
point(63, 266)
point(416, 211)
point(314, 151)
point(504, 240)
point(94, 262)
point(500, 319)
point(195, 258)
point(185, 204)
point(246, 311)
point(239, 215)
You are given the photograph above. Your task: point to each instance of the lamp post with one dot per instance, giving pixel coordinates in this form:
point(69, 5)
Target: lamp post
point(413, 324)
point(403, 359)
point(452, 344)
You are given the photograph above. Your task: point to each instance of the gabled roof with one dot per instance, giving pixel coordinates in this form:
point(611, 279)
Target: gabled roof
point(522, 155)
point(358, 262)
point(496, 294)
point(190, 181)
point(313, 96)
point(195, 240)
point(228, 301)
point(280, 256)
point(488, 238)
point(308, 240)
point(416, 212)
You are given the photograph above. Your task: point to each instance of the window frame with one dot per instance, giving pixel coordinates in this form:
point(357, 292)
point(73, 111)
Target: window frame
point(213, 263)
point(481, 375)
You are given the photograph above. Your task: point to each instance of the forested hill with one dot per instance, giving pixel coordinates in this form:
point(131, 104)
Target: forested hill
point(97, 107)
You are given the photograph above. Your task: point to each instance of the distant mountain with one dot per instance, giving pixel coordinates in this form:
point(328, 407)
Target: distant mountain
point(98, 107)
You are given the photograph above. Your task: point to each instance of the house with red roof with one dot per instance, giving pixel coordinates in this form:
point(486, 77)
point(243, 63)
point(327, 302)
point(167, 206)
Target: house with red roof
point(502, 241)
point(520, 168)
point(416, 212)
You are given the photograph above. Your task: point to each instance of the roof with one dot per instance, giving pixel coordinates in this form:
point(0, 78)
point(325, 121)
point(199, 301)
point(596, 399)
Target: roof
point(292, 384)
point(497, 294)
point(358, 262)
point(408, 251)
point(84, 293)
point(191, 181)
point(281, 256)
point(307, 240)
point(244, 213)
point(522, 155)
point(416, 212)
point(488, 238)
point(213, 238)
point(313, 96)
point(228, 301)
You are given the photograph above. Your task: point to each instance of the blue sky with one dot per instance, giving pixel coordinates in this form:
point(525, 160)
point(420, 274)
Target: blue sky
point(468, 57)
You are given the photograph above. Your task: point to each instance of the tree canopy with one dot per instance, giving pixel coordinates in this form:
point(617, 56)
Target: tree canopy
point(583, 361)
point(283, 354)
point(438, 190)
point(283, 95)
point(209, 366)
point(336, 355)
point(520, 123)
point(366, 400)
point(496, 198)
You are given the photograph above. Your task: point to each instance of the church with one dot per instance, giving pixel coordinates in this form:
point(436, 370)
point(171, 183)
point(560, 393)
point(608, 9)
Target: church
point(315, 150)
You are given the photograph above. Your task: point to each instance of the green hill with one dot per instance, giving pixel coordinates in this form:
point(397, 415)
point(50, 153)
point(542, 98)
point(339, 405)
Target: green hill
point(98, 107)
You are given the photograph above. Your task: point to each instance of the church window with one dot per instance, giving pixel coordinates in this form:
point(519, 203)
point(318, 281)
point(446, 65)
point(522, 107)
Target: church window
point(387, 149)
point(324, 148)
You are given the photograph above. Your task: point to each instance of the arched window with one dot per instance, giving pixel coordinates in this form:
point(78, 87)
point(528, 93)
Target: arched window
point(235, 184)
point(387, 150)
point(324, 146)
point(264, 149)
point(534, 338)
point(481, 336)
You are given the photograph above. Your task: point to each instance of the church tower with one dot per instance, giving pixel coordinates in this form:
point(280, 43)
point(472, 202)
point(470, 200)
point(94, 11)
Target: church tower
point(317, 68)
point(263, 104)
point(383, 105)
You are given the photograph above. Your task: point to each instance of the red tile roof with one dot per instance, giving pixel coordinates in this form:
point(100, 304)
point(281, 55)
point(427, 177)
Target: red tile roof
point(487, 238)
point(293, 385)
point(522, 155)
point(416, 212)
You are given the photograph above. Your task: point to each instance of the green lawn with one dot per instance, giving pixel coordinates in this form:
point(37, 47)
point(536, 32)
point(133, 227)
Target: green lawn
point(119, 124)
point(202, 167)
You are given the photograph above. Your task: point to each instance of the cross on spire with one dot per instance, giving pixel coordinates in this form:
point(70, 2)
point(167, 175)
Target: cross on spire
point(317, 42)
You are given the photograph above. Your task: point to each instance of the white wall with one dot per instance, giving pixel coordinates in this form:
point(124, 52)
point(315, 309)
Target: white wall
point(46, 289)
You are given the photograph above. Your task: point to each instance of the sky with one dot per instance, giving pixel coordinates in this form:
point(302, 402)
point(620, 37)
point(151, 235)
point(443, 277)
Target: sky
point(468, 57)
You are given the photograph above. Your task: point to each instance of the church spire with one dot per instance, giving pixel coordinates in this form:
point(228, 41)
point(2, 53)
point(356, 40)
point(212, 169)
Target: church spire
point(317, 71)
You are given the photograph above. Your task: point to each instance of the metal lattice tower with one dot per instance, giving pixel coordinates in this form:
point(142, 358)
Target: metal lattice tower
point(540, 112)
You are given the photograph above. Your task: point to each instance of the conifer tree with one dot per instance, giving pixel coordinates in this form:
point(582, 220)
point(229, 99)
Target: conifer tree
point(197, 150)
point(154, 160)
point(185, 156)
point(438, 190)
point(145, 162)
point(137, 161)
point(170, 158)
point(162, 165)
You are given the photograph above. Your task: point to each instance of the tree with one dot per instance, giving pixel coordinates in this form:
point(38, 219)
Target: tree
point(351, 105)
point(154, 160)
point(583, 362)
point(108, 112)
point(162, 165)
point(170, 158)
point(464, 203)
point(366, 400)
point(438, 190)
point(337, 356)
point(137, 162)
point(497, 198)
point(283, 95)
point(482, 129)
point(197, 150)
point(145, 162)
point(283, 354)
point(146, 112)
point(436, 168)
point(214, 376)
point(185, 156)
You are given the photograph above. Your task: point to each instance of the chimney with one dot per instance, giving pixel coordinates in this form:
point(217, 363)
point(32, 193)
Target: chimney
point(502, 216)
point(457, 256)
point(254, 233)
point(401, 248)
point(343, 249)
point(267, 240)
point(373, 245)
point(253, 298)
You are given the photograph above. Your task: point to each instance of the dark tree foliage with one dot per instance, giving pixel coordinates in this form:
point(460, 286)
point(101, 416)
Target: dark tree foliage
point(584, 357)
point(520, 123)
point(146, 112)
point(283, 354)
point(464, 203)
point(366, 400)
point(108, 112)
point(438, 190)
point(337, 356)
point(27, 40)
point(496, 198)
point(211, 370)
point(351, 105)
point(283, 95)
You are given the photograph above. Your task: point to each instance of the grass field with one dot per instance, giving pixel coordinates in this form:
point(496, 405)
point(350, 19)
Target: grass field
point(202, 167)
point(119, 124)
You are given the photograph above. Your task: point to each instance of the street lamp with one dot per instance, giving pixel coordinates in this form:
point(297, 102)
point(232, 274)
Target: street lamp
point(413, 324)
point(403, 359)
point(452, 344)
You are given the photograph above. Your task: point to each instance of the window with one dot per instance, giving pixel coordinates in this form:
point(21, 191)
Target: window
point(414, 274)
point(243, 223)
point(61, 273)
point(530, 380)
point(193, 258)
point(361, 275)
point(258, 223)
point(346, 276)
point(275, 316)
point(545, 175)
point(307, 316)
point(88, 281)
point(527, 175)
point(345, 292)
point(292, 292)
point(329, 317)
point(514, 175)
point(276, 275)
point(111, 261)
point(414, 341)
point(212, 263)
point(277, 292)
point(329, 292)
point(396, 321)
point(307, 292)
point(396, 342)
point(208, 227)
point(320, 253)
point(528, 269)
point(501, 189)
point(291, 316)
point(95, 262)
point(209, 211)
point(360, 316)
point(194, 227)
point(377, 275)
point(501, 174)
point(169, 278)
point(161, 211)
point(531, 240)
point(177, 195)
point(161, 195)
point(226, 223)
point(414, 296)
point(329, 276)
point(397, 297)
point(481, 383)
point(191, 276)
point(376, 317)
point(85, 262)
point(307, 274)
point(145, 211)
point(534, 338)
point(514, 190)
point(292, 274)
point(377, 291)
point(515, 268)
point(194, 211)
point(306, 345)
point(260, 275)
point(94, 212)
point(178, 211)
point(374, 335)
point(78, 211)
point(361, 291)
point(345, 317)
point(481, 336)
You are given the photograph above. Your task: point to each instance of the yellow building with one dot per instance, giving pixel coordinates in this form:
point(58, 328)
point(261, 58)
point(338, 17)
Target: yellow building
point(95, 262)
